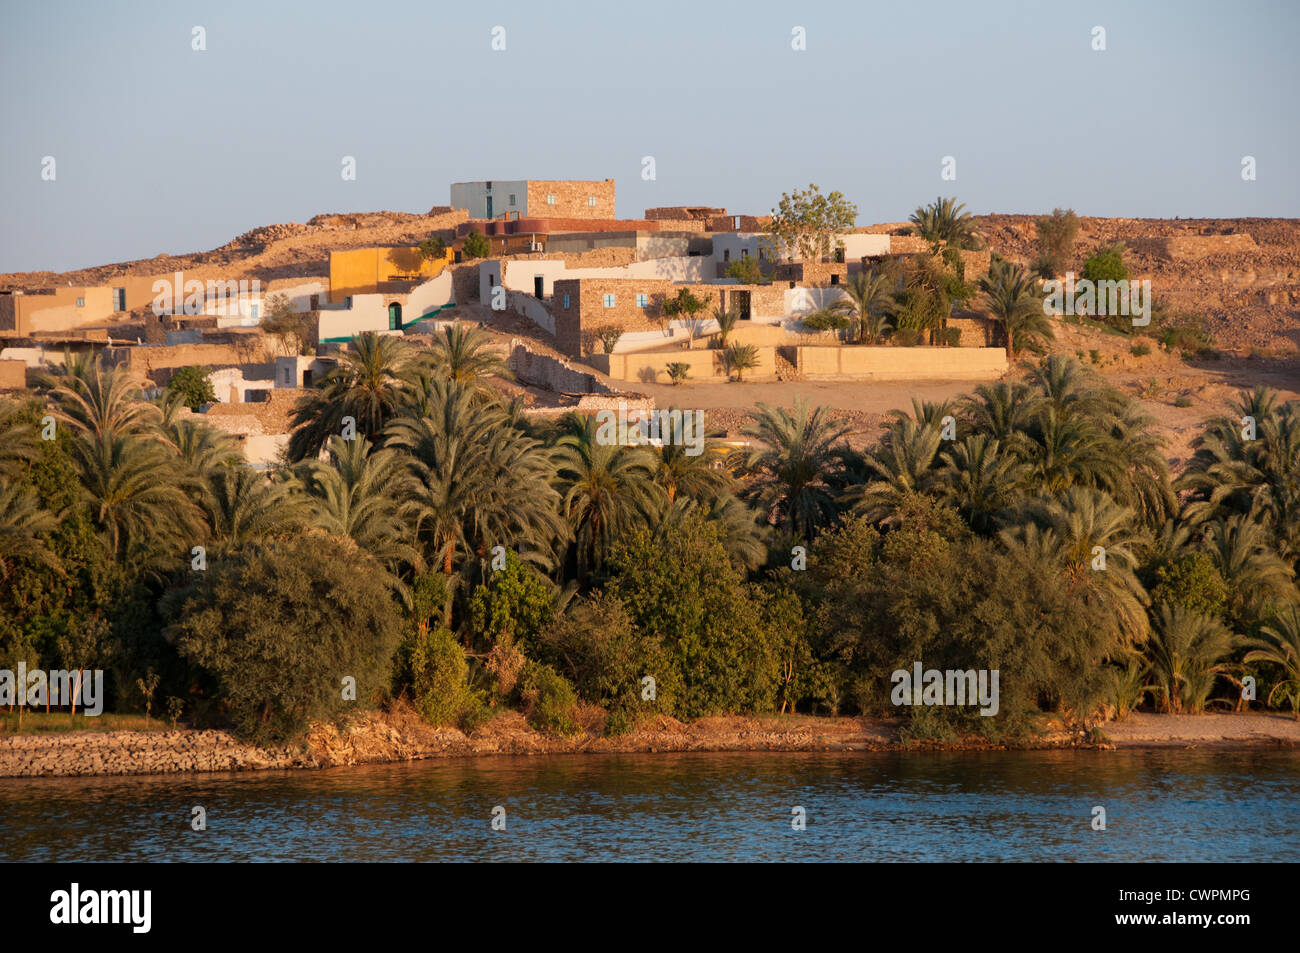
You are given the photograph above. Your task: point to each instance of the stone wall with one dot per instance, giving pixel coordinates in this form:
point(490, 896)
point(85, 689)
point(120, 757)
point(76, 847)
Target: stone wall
point(464, 282)
point(138, 752)
point(1192, 247)
point(551, 373)
point(652, 366)
point(571, 199)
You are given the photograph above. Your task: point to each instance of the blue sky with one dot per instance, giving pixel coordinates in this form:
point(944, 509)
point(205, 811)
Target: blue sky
point(160, 148)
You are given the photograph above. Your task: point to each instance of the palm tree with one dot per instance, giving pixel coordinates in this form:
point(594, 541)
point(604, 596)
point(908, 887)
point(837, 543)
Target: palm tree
point(607, 490)
point(243, 505)
point(699, 476)
point(735, 523)
point(944, 221)
point(369, 385)
point(22, 525)
point(365, 495)
point(1003, 411)
point(981, 479)
point(1094, 541)
point(480, 480)
point(727, 320)
point(466, 353)
point(1188, 652)
point(902, 465)
point(1013, 300)
point(1235, 471)
point(19, 446)
point(740, 358)
point(96, 403)
point(1279, 644)
point(1257, 577)
point(871, 295)
point(795, 473)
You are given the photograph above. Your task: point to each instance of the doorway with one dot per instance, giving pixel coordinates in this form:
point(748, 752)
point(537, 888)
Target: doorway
point(539, 285)
point(394, 317)
point(489, 206)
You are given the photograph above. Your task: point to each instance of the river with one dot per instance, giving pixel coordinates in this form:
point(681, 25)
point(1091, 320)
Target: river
point(1161, 805)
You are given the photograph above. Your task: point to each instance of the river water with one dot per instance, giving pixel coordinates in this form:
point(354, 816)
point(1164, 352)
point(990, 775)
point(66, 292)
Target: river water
point(1161, 805)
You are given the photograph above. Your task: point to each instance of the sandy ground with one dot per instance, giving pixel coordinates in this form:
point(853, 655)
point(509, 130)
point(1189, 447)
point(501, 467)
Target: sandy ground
point(1142, 730)
point(401, 736)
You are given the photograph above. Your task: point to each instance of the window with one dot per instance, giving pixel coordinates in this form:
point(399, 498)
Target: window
point(642, 301)
point(119, 299)
point(566, 302)
point(726, 254)
point(744, 253)
point(252, 311)
point(550, 198)
point(610, 300)
point(512, 198)
point(288, 376)
point(81, 302)
point(591, 200)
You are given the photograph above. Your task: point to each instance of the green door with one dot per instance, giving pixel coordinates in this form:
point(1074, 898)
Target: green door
point(394, 317)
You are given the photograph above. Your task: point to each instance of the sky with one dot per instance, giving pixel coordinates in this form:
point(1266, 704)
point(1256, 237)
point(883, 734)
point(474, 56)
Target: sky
point(162, 148)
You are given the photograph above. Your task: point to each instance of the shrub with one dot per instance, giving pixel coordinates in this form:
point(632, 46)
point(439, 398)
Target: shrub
point(516, 601)
point(433, 249)
point(746, 270)
point(440, 678)
point(907, 337)
point(1183, 401)
point(678, 371)
point(597, 647)
point(1140, 350)
point(951, 337)
point(192, 387)
point(740, 358)
point(826, 320)
point(476, 245)
point(549, 700)
point(608, 335)
point(1056, 236)
point(280, 625)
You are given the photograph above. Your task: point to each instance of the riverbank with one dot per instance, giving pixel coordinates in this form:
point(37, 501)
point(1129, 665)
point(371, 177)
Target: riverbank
point(400, 736)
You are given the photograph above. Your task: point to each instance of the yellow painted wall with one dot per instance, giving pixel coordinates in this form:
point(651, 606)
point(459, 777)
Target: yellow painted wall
point(705, 365)
point(361, 271)
point(59, 311)
point(904, 363)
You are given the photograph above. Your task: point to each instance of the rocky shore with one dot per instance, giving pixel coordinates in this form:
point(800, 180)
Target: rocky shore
point(399, 736)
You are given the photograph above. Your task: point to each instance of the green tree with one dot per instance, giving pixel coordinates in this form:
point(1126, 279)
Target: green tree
point(192, 387)
point(291, 328)
point(1013, 300)
point(944, 222)
point(476, 245)
point(745, 270)
point(281, 627)
point(805, 222)
point(794, 472)
point(1056, 236)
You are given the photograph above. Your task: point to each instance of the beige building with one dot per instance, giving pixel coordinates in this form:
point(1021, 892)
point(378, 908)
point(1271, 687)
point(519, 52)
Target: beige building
point(519, 198)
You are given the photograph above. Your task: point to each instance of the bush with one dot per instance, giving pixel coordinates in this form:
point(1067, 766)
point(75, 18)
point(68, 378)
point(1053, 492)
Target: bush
point(549, 700)
point(682, 590)
point(1140, 350)
point(1056, 236)
point(597, 647)
point(826, 320)
point(907, 337)
point(516, 601)
point(746, 270)
point(951, 337)
point(1183, 401)
point(440, 678)
point(678, 371)
point(608, 335)
point(192, 387)
point(476, 245)
point(281, 625)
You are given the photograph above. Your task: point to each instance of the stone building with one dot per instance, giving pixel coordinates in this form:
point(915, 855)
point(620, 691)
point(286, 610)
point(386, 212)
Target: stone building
point(560, 198)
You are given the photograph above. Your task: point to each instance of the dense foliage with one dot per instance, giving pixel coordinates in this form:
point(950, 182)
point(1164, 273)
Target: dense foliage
point(452, 552)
